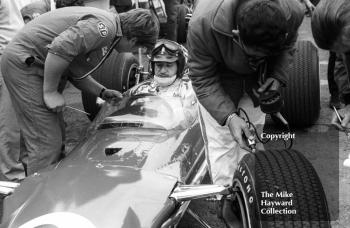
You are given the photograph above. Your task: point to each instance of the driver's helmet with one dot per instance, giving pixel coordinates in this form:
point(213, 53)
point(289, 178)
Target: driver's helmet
point(169, 51)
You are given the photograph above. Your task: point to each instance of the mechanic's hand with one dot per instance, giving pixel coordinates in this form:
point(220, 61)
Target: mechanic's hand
point(270, 84)
point(345, 114)
point(54, 101)
point(309, 6)
point(237, 127)
point(111, 96)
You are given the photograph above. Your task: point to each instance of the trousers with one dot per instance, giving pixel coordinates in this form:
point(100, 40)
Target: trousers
point(40, 128)
point(224, 153)
point(11, 167)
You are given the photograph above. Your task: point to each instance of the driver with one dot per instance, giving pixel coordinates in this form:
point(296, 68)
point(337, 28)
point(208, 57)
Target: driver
point(167, 63)
point(168, 68)
point(168, 60)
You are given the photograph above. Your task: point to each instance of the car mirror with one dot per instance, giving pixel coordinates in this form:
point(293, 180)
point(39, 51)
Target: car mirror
point(190, 192)
point(7, 187)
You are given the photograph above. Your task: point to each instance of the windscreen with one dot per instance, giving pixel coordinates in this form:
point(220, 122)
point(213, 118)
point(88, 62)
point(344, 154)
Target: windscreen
point(176, 109)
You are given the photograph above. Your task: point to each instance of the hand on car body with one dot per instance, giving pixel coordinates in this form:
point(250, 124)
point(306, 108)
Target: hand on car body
point(65, 39)
point(111, 96)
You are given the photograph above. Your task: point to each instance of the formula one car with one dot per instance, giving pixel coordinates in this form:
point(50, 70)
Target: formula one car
point(301, 96)
point(141, 163)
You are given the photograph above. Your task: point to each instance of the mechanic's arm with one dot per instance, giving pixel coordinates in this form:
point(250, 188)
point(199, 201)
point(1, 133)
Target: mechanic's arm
point(207, 85)
point(345, 112)
point(308, 4)
point(76, 40)
point(91, 86)
point(54, 68)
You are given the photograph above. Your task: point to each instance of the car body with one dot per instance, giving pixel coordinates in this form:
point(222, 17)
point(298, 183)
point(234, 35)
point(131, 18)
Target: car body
point(124, 170)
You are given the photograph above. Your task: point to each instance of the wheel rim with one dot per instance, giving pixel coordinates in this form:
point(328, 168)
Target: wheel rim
point(242, 210)
point(131, 77)
point(242, 203)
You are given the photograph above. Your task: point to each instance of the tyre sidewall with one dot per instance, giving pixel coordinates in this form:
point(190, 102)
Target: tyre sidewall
point(244, 180)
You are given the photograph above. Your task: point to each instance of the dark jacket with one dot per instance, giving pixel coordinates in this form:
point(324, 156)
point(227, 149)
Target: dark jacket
point(215, 57)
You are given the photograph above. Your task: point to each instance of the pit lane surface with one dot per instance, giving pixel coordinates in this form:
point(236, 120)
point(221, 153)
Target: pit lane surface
point(319, 143)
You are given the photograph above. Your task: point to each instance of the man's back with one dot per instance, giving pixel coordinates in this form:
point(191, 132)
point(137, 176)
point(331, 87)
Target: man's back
point(40, 32)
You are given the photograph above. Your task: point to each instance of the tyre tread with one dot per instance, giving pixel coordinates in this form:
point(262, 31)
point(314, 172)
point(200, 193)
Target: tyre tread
point(288, 170)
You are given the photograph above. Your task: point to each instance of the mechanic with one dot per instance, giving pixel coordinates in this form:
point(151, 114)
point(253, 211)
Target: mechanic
point(35, 59)
point(229, 43)
point(330, 25)
point(10, 166)
point(333, 60)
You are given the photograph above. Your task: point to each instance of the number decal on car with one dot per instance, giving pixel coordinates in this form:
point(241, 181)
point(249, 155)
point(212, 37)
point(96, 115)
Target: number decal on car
point(59, 220)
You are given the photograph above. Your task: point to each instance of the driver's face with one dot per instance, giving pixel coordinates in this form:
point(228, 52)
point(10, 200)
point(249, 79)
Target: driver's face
point(165, 69)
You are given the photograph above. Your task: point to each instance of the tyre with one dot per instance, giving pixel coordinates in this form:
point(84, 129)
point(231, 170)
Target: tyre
point(118, 73)
point(182, 11)
point(302, 94)
point(278, 174)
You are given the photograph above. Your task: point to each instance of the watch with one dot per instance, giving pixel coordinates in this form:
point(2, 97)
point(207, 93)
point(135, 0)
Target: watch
point(228, 119)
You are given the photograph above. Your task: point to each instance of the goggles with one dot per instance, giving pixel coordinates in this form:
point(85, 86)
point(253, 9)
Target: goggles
point(166, 47)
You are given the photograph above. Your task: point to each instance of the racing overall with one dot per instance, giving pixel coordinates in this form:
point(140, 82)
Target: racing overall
point(73, 33)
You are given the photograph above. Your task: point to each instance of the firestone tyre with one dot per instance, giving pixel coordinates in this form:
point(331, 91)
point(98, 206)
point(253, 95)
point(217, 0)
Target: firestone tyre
point(118, 73)
point(278, 174)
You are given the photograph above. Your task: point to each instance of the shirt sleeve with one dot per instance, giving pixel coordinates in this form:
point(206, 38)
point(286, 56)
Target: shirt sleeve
point(85, 36)
point(206, 79)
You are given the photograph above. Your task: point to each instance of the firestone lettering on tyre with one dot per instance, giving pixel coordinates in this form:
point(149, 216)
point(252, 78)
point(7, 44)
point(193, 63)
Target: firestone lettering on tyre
point(247, 183)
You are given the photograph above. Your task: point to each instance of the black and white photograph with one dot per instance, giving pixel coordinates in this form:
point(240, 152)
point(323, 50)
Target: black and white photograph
point(174, 113)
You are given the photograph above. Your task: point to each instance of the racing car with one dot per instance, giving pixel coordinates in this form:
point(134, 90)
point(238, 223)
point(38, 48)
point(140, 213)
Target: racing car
point(141, 163)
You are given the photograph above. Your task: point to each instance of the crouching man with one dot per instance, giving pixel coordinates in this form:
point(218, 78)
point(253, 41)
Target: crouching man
point(233, 45)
